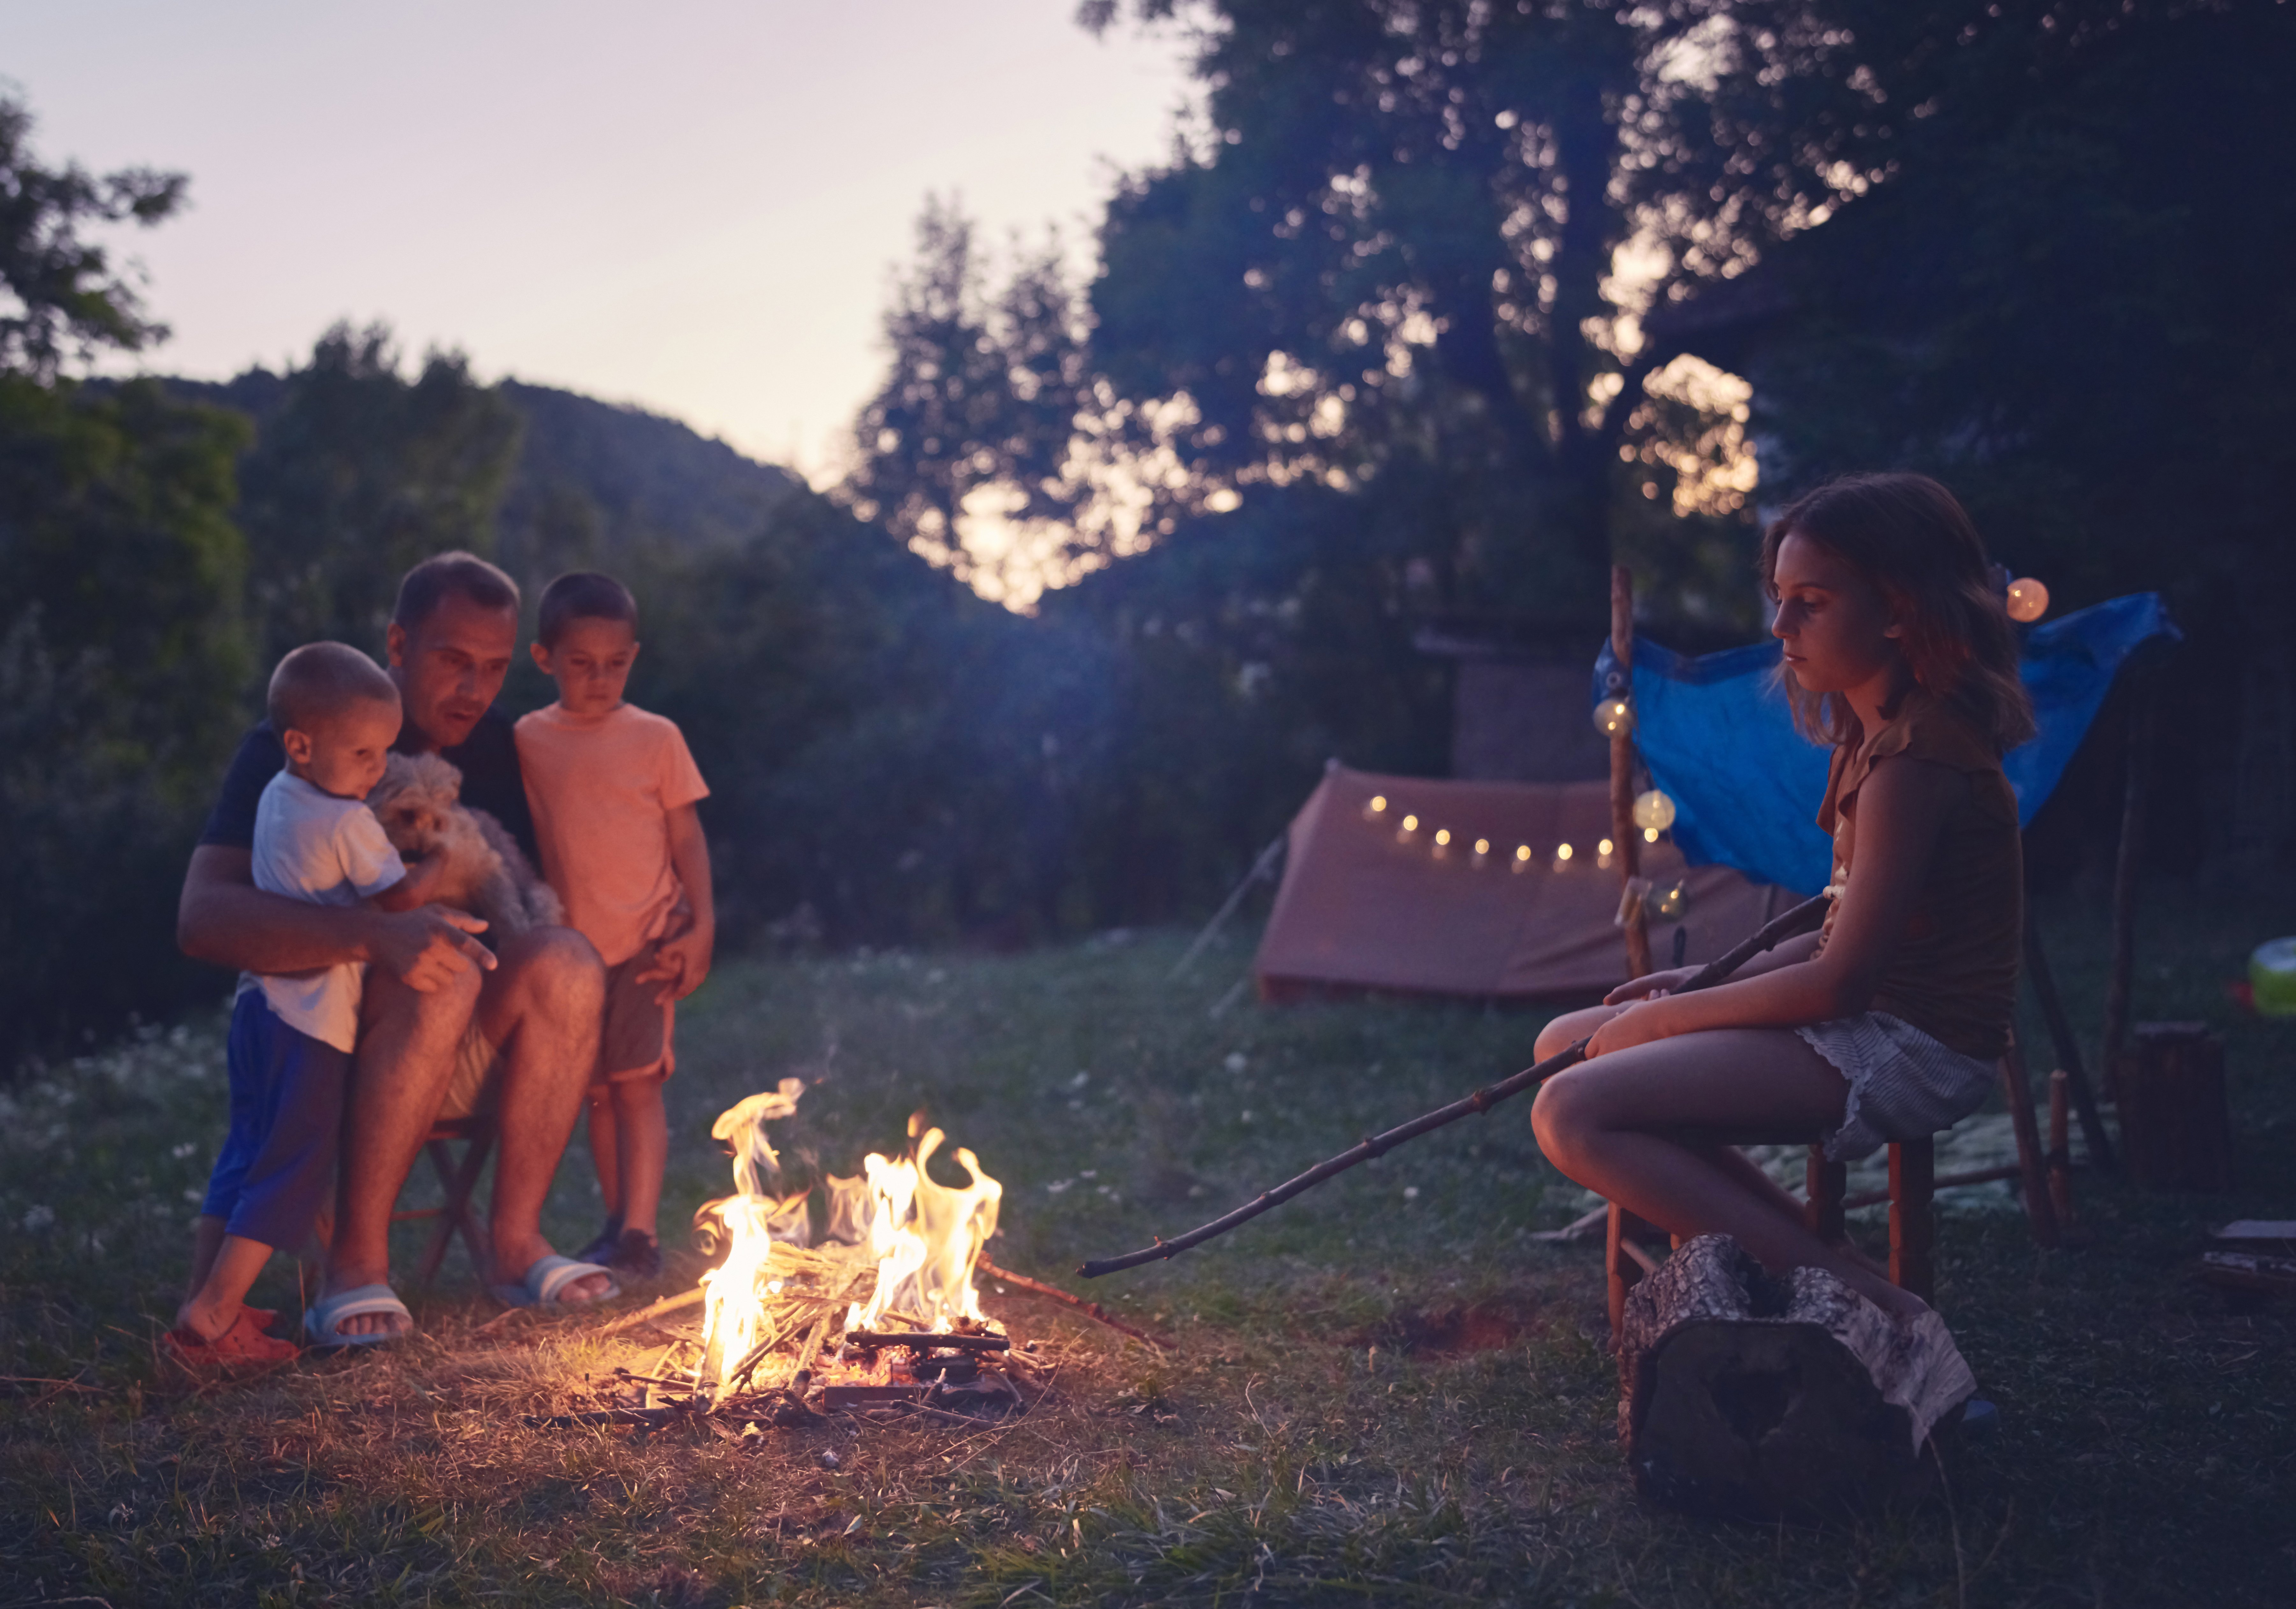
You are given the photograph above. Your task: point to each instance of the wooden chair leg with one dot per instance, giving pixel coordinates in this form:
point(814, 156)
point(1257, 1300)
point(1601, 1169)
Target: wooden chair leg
point(1823, 1211)
point(2031, 1169)
point(458, 1179)
point(1913, 1223)
point(468, 1223)
point(1624, 1261)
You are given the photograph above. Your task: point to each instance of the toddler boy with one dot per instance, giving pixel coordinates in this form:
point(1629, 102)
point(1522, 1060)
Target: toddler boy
point(612, 789)
point(336, 713)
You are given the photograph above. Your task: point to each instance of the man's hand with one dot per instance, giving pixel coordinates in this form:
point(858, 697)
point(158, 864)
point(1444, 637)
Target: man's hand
point(681, 961)
point(425, 947)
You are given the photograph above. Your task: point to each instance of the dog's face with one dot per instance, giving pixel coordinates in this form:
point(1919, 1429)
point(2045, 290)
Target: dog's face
point(414, 800)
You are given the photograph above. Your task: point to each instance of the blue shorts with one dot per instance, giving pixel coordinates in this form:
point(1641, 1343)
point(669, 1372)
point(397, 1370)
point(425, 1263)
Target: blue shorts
point(278, 1162)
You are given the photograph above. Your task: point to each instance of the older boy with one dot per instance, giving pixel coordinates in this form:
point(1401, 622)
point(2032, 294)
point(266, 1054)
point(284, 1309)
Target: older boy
point(613, 789)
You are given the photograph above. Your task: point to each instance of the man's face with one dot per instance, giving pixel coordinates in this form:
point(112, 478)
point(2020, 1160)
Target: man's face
point(450, 666)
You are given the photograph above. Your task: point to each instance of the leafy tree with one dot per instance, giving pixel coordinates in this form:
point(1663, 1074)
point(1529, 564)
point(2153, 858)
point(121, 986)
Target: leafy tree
point(122, 649)
point(1398, 242)
point(2052, 296)
point(982, 397)
point(358, 473)
point(69, 302)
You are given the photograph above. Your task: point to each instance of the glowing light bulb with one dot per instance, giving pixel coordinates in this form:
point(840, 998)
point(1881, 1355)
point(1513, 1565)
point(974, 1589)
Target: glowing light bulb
point(1411, 823)
point(1650, 834)
point(2028, 600)
point(1522, 853)
point(1654, 811)
point(1482, 846)
point(1442, 835)
point(1615, 716)
point(1562, 851)
point(1605, 848)
point(1378, 803)
point(1669, 903)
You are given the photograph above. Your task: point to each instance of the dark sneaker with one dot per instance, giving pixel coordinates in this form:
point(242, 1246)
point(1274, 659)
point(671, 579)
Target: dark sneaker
point(638, 1254)
point(601, 1250)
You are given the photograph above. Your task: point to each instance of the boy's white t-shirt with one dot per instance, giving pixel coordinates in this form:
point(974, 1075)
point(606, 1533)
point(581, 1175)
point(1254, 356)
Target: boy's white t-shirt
point(311, 846)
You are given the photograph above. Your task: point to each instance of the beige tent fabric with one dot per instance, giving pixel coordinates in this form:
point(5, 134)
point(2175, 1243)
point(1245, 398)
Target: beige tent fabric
point(1367, 904)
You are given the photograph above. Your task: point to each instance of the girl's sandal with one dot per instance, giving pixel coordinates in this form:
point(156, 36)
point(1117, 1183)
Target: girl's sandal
point(239, 1349)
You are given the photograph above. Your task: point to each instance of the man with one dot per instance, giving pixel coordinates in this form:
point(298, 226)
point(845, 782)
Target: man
point(447, 1024)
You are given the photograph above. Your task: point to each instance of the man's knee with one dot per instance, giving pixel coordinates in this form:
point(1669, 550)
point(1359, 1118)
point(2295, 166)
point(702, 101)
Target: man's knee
point(445, 1011)
point(557, 963)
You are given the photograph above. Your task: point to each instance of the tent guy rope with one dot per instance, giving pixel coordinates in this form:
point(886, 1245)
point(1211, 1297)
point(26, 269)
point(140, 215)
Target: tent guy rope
point(1801, 919)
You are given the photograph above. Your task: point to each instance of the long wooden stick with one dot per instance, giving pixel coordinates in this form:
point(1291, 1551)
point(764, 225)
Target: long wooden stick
point(1803, 917)
point(1053, 1293)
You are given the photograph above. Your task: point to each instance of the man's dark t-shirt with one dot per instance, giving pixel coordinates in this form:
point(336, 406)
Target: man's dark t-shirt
point(488, 760)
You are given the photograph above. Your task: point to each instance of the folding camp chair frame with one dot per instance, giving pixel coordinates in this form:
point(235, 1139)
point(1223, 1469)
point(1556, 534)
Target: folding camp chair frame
point(458, 1178)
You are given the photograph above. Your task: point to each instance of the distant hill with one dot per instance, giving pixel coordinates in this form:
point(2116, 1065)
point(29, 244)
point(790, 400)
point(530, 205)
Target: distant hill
point(644, 476)
point(593, 479)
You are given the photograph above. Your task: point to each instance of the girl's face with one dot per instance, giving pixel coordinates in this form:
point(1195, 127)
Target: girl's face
point(1838, 629)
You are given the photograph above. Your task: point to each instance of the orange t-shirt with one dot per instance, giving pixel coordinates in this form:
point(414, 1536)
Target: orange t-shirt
point(602, 788)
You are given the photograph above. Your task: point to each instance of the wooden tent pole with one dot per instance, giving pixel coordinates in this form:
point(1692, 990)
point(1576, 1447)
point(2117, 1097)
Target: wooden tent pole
point(1624, 834)
point(2124, 872)
point(2069, 1056)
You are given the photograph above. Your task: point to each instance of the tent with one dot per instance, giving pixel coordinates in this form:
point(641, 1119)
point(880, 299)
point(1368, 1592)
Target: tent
point(1369, 902)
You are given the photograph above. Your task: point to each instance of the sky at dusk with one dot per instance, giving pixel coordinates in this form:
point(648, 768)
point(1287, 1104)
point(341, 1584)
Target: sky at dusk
point(690, 206)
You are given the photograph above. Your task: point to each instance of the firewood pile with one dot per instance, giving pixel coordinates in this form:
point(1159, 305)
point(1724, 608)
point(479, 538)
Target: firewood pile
point(797, 1363)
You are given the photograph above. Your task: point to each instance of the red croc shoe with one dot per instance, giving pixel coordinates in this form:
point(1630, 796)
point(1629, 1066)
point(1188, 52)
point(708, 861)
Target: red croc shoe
point(239, 1349)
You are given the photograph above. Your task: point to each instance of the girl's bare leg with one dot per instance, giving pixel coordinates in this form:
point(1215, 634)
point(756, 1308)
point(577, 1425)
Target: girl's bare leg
point(1642, 1127)
point(1730, 1158)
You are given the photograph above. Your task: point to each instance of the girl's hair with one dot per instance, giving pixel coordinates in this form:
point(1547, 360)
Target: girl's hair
point(1914, 540)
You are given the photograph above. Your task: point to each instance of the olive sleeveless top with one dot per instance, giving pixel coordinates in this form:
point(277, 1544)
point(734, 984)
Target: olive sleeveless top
point(1955, 973)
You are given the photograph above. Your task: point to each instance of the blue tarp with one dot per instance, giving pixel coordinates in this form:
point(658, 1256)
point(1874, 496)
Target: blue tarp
point(1716, 735)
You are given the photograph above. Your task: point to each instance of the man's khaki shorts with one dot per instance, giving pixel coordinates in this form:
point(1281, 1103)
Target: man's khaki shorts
point(634, 1041)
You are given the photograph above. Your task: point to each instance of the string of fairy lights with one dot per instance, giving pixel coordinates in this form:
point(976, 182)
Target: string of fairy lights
point(1653, 814)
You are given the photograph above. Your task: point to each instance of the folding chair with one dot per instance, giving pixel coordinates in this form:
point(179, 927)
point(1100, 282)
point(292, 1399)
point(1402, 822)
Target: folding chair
point(458, 1177)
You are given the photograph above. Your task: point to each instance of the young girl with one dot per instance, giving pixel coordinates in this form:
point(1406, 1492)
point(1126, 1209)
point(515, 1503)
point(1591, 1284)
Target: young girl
point(1885, 1024)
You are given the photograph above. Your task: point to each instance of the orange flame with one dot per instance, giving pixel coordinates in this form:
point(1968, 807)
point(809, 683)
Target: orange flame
point(921, 1237)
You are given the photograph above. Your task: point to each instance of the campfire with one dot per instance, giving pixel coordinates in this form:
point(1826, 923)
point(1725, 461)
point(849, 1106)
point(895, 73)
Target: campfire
point(857, 1295)
point(876, 1304)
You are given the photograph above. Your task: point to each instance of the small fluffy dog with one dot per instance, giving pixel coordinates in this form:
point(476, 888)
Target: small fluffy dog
point(419, 803)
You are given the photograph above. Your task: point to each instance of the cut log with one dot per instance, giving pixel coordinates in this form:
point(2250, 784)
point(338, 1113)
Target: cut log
point(1755, 1398)
point(2175, 1126)
point(2250, 1271)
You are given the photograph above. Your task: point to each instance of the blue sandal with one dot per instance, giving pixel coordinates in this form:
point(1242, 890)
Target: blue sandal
point(547, 1278)
point(322, 1322)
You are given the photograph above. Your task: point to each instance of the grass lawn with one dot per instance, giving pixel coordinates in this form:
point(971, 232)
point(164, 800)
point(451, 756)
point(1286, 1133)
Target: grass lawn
point(1312, 1436)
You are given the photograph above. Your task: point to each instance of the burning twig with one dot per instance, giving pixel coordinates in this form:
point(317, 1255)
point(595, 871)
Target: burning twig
point(1090, 1309)
point(1801, 919)
point(920, 1341)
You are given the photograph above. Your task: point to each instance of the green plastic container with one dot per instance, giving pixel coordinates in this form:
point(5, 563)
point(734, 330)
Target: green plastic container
point(2272, 975)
